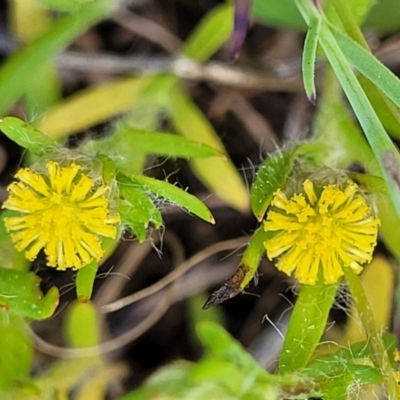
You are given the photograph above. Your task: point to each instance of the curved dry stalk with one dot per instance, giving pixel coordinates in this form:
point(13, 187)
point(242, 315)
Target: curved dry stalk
point(109, 345)
point(128, 265)
point(162, 305)
point(175, 274)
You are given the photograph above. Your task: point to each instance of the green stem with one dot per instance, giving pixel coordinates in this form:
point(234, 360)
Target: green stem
point(379, 354)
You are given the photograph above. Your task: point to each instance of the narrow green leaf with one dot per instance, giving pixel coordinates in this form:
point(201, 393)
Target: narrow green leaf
point(82, 326)
point(309, 57)
point(129, 141)
point(306, 325)
point(368, 65)
point(85, 281)
point(173, 194)
point(348, 15)
point(246, 271)
point(271, 176)
point(20, 294)
point(384, 150)
point(213, 30)
point(26, 135)
point(217, 174)
point(17, 72)
point(169, 145)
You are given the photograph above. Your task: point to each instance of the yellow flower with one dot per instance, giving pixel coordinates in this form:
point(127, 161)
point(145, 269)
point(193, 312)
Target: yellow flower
point(63, 212)
point(332, 231)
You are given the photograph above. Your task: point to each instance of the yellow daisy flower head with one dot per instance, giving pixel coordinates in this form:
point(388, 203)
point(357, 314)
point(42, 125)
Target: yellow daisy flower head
point(327, 232)
point(63, 212)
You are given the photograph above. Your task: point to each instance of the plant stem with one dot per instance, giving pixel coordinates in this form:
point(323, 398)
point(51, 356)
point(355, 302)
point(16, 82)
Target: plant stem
point(379, 354)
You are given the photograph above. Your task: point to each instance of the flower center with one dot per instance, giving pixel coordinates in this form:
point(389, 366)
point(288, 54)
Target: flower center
point(331, 231)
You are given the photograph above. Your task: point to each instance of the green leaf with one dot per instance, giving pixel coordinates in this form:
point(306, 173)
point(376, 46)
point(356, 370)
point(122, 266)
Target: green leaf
point(309, 57)
point(85, 281)
point(17, 72)
point(26, 135)
point(384, 150)
point(136, 208)
point(16, 352)
point(218, 175)
point(173, 194)
point(210, 34)
point(271, 176)
point(306, 326)
point(129, 141)
point(82, 326)
point(369, 66)
point(129, 216)
point(246, 271)
point(279, 14)
point(20, 294)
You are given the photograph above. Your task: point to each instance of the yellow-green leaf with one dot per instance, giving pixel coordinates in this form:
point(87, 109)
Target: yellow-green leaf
point(92, 106)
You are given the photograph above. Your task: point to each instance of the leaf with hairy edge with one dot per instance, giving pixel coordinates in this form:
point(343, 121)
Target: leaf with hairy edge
point(306, 325)
point(173, 194)
point(136, 208)
point(271, 176)
point(128, 140)
point(26, 135)
point(309, 57)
